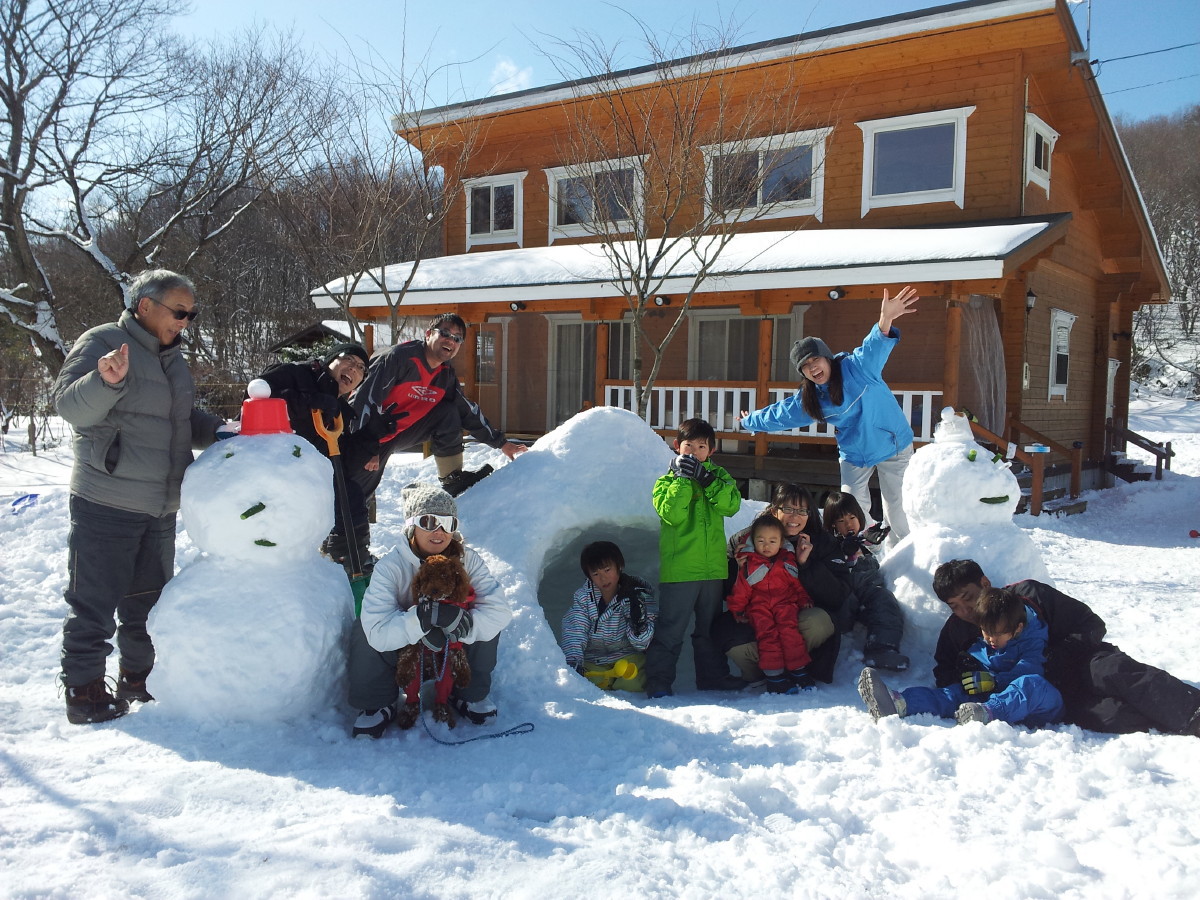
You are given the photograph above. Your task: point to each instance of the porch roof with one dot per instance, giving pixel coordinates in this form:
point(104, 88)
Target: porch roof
point(748, 262)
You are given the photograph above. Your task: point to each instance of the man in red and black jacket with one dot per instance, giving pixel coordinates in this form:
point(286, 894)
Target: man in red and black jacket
point(411, 395)
point(1103, 688)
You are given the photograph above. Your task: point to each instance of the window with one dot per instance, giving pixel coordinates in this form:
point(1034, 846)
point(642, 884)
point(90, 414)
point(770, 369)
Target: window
point(1060, 352)
point(723, 345)
point(485, 357)
point(1039, 145)
point(767, 178)
point(572, 371)
point(494, 209)
point(594, 199)
point(914, 159)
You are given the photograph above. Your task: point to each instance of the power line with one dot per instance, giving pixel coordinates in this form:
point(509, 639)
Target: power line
point(1098, 63)
point(1151, 84)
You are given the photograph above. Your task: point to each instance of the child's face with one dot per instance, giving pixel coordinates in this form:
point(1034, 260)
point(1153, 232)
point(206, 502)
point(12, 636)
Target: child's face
point(1000, 640)
point(430, 542)
point(696, 448)
point(605, 577)
point(767, 542)
point(847, 524)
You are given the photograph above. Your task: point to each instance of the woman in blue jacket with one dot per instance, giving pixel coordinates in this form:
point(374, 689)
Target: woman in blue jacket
point(848, 392)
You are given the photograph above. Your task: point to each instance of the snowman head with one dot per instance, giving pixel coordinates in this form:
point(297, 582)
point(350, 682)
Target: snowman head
point(264, 499)
point(956, 482)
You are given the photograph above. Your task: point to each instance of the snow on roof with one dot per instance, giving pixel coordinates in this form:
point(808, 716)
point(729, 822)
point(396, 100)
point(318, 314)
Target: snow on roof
point(762, 261)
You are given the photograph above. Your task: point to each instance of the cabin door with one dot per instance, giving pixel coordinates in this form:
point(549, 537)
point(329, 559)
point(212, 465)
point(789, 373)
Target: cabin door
point(572, 374)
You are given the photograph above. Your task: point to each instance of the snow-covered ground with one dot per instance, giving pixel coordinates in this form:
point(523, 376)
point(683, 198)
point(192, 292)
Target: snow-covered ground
point(700, 796)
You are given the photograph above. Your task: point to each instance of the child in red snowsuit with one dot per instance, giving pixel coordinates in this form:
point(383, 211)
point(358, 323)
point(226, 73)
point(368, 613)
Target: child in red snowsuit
point(768, 593)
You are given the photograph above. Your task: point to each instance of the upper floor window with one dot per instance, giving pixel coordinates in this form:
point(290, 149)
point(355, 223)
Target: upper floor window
point(771, 177)
point(915, 159)
point(1061, 323)
point(594, 198)
point(494, 209)
point(1039, 145)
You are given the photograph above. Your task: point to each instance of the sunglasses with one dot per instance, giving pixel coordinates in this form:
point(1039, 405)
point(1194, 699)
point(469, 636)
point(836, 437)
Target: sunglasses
point(448, 524)
point(451, 336)
point(179, 314)
point(794, 510)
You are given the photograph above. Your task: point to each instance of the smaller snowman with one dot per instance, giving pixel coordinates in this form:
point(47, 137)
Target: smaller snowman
point(960, 499)
point(255, 628)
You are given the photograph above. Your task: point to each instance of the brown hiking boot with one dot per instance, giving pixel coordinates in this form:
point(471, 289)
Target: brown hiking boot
point(132, 686)
point(93, 703)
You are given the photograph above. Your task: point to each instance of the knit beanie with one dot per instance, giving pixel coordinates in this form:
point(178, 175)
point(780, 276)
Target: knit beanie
point(421, 499)
point(347, 350)
point(806, 349)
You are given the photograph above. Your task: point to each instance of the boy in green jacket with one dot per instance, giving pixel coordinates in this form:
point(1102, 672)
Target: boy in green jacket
point(692, 500)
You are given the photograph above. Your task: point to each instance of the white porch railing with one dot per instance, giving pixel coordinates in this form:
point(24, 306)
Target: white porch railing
point(721, 407)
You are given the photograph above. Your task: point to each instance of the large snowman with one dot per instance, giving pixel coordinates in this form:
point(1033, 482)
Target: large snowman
point(960, 502)
point(255, 628)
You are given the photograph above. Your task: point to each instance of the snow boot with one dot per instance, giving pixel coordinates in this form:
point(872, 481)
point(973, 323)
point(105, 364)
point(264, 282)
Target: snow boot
point(727, 683)
point(373, 723)
point(880, 699)
point(882, 656)
point(973, 712)
point(461, 479)
point(132, 686)
point(802, 680)
point(477, 712)
point(780, 683)
point(91, 703)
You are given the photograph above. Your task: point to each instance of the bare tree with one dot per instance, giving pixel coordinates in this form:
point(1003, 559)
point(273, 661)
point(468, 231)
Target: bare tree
point(133, 149)
point(667, 168)
point(1162, 152)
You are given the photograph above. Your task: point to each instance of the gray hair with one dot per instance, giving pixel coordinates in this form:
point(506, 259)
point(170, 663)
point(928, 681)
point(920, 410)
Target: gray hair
point(156, 284)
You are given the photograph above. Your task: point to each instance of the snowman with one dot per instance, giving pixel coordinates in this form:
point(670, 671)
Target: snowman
point(960, 499)
point(255, 628)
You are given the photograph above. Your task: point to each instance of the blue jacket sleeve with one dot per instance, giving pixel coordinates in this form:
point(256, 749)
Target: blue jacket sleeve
point(782, 416)
point(872, 354)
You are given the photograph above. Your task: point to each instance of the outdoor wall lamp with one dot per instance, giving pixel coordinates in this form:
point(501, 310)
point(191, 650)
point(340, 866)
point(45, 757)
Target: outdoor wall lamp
point(836, 293)
point(1030, 301)
point(516, 305)
point(660, 300)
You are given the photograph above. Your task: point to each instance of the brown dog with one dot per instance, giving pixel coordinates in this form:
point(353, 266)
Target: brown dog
point(444, 579)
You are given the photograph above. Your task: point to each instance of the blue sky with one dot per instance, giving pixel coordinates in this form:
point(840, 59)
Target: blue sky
point(489, 45)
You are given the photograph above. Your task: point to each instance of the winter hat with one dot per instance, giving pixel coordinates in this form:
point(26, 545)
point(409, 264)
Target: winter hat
point(421, 499)
point(804, 350)
point(347, 350)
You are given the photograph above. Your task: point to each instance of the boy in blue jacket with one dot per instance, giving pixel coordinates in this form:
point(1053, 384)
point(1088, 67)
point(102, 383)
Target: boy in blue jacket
point(1002, 678)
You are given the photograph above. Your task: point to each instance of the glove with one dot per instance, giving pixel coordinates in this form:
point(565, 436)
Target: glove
point(383, 423)
point(228, 430)
point(978, 682)
point(637, 614)
point(328, 406)
point(433, 613)
point(705, 477)
point(462, 627)
point(876, 533)
point(435, 640)
point(686, 466)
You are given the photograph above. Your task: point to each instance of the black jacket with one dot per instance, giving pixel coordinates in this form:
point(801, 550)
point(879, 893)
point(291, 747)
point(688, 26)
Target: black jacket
point(309, 386)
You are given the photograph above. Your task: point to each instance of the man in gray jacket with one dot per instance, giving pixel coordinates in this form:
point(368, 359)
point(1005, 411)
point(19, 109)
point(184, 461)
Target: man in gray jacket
point(127, 393)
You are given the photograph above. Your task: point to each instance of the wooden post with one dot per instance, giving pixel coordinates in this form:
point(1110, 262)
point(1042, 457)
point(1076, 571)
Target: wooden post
point(950, 364)
point(1035, 487)
point(766, 337)
point(601, 370)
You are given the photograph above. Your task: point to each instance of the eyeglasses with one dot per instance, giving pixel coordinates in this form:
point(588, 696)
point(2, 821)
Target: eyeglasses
point(429, 522)
point(451, 336)
point(354, 362)
point(794, 510)
point(179, 314)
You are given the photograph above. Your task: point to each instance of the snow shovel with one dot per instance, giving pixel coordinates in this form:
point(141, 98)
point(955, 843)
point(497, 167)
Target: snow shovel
point(358, 581)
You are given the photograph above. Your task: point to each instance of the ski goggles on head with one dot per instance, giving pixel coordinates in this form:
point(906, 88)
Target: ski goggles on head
point(429, 522)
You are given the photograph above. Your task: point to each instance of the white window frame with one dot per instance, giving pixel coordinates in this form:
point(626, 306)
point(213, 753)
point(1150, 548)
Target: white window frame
point(1059, 318)
point(955, 193)
point(583, 170)
point(725, 314)
point(1035, 127)
point(814, 206)
point(506, 236)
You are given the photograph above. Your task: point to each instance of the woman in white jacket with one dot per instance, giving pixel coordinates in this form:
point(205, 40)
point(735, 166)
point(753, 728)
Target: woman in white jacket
point(390, 620)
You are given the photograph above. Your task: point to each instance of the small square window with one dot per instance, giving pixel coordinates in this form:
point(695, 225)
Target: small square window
point(1061, 323)
point(594, 198)
point(914, 159)
point(494, 209)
